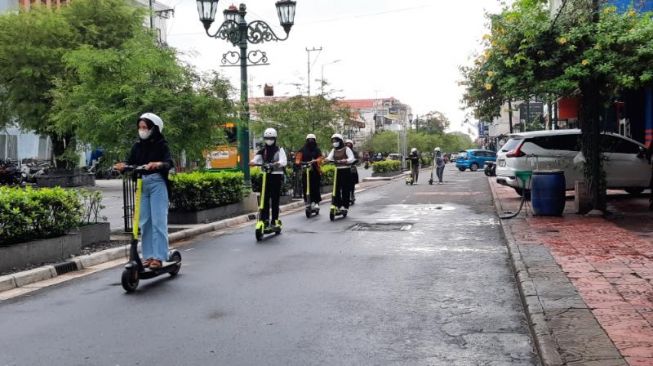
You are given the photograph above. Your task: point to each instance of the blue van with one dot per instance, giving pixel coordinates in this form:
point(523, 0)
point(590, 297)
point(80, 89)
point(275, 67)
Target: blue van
point(473, 159)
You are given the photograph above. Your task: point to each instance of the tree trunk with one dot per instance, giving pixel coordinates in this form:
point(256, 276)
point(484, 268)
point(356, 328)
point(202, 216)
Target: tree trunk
point(549, 108)
point(591, 142)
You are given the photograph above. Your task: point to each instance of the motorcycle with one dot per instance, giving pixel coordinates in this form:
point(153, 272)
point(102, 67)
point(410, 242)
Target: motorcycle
point(11, 173)
point(490, 169)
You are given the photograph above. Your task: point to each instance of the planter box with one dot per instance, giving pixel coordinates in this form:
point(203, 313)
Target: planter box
point(40, 251)
point(95, 233)
point(206, 216)
point(387, 174)
point(326, 189)
point(66, 180)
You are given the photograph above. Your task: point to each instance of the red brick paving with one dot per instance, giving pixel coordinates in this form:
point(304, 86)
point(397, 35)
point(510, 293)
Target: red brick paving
point(610, 262)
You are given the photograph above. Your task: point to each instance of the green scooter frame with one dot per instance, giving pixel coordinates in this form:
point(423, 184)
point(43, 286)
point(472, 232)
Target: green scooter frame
point(335, 211)
point(134, 270)
point(410, 178)
point(261, 229)
point(308, 167)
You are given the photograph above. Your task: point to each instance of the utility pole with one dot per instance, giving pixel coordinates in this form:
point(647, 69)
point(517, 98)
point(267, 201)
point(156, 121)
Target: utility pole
point(308, 54)
point(151, 14)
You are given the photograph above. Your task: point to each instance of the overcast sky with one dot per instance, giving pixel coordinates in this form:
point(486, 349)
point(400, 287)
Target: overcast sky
point(407, 49)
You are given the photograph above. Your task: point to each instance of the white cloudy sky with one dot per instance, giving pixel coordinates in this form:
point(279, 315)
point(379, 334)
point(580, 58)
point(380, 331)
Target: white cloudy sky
point(408, 49)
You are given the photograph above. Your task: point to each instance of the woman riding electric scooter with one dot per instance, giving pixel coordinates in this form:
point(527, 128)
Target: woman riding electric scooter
point(274, 157)
point(310, 157)
point(342, 157)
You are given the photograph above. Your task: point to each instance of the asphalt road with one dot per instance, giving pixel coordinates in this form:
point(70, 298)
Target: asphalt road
point(413, 276)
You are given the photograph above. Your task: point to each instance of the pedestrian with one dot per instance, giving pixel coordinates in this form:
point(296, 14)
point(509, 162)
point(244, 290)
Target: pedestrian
point(343, 157)
point(274, 155)
point(413, 157)
point(439, 164)
point(152, 151)
point(311, 152)
point(354, 171)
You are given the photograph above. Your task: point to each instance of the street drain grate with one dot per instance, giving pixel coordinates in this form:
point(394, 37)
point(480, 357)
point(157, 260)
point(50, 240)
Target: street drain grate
point(65, 267)
point(382, 226)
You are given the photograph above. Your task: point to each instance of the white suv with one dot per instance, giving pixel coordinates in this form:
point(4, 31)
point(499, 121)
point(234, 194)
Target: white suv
point(625, 165)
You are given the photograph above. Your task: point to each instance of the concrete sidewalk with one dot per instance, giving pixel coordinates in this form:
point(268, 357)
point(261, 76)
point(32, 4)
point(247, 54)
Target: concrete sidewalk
point(586, 282)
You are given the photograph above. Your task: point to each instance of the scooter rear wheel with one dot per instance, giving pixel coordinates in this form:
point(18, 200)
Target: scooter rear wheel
point(129, 280)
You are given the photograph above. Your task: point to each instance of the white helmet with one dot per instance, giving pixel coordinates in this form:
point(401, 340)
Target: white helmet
point(413, 150)
point(154, 119)
point(349, 141)
point(270, 133)
point(436, 149)
point(336, 136)
point(311, 136)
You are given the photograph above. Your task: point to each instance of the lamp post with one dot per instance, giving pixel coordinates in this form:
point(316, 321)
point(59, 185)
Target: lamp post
point(240, 33)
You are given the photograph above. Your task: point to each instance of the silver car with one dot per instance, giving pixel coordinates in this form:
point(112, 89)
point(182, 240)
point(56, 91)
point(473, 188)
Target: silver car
point(626, 165)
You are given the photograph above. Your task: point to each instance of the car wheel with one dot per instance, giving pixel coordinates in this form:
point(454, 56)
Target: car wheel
point(635, 191)
point(473, 167)
point(461, 169)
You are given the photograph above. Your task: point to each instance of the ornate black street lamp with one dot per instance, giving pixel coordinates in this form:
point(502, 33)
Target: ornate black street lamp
point(236, 30)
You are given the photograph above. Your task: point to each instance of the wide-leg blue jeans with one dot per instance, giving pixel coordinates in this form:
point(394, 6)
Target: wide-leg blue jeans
point(154, 217)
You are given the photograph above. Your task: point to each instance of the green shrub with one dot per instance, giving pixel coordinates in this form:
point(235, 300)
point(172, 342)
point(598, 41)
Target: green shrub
point(386, 166)
point(327, 175)
point(426, 161)
point(204, 190)
point(29, 214)
point(91, 202)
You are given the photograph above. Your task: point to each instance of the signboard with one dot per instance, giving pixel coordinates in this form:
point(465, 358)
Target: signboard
point(637, 5)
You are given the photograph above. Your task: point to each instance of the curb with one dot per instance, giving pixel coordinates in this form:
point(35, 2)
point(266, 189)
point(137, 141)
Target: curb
point(546, 347)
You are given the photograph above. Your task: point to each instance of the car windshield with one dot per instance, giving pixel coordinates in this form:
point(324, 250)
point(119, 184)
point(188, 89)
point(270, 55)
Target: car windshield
point(511, 144)
point(462, 155)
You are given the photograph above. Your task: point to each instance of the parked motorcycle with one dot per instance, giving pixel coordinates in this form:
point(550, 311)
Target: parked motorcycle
point(11, 174)
point(490, 169)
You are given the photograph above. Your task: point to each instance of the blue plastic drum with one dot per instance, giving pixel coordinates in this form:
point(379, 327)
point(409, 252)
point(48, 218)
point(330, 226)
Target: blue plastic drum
point(548, 190)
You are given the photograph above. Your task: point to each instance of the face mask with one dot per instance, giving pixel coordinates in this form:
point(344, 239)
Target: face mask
point(336, 144)
point(144, 135)
point(269, 142)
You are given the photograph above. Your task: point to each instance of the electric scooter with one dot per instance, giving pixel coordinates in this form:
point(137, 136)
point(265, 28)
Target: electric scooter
point(410, 179)
point(335, 211)
point(262, 227)
point(432, 169)
point(134, 270)
point(310, 210)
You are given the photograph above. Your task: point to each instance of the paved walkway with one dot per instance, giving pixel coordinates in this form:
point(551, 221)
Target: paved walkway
point(609, 262)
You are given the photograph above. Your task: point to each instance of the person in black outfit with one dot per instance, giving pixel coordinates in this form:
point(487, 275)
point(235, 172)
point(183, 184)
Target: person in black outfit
point(354, 171)
point(414, 163)
point(272, 154)
point(311, 152)
point(152, 151)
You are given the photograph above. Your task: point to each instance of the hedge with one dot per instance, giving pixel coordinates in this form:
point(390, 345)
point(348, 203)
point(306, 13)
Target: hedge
point(204, 190)
point(30, 214)
point(386, 166)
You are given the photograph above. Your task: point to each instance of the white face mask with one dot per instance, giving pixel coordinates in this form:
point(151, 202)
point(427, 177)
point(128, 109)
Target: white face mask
point(336, 144)
point(144, 135)
point(269, 142)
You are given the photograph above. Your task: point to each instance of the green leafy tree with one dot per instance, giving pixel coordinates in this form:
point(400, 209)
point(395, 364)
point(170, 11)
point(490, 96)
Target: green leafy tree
point(298, 116)
point(586, 50)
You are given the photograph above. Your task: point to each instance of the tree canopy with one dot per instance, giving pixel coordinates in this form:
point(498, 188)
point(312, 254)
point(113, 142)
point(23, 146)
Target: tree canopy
point(85, 71)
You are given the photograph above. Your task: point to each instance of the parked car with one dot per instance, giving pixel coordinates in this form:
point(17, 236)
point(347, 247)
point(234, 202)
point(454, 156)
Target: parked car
point(626, 165)
point(473, 159)
point(394, 156)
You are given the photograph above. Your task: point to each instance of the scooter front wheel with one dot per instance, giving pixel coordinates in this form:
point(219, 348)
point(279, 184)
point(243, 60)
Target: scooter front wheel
point(332, 215)
point(175, 257)
point(129, 280)
point(308, 213)
point(259, 234)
